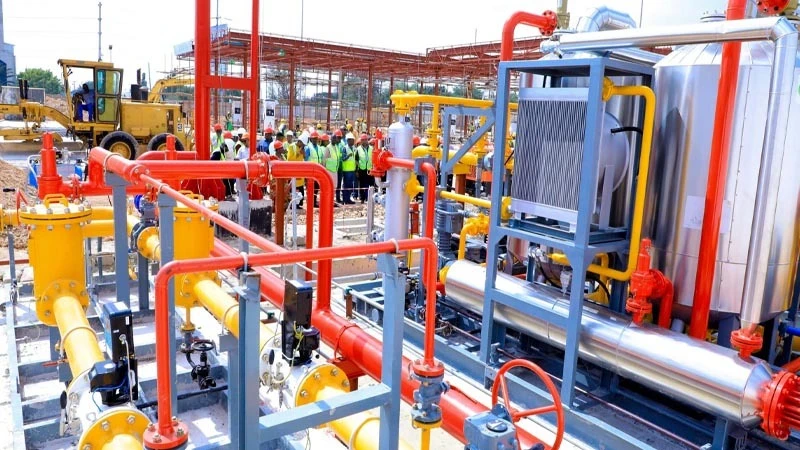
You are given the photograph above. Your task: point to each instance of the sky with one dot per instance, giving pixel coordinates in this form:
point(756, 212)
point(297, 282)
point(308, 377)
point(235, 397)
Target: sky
point(143, 32)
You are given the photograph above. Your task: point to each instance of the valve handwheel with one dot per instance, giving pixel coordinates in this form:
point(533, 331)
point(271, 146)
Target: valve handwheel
point(556, 407)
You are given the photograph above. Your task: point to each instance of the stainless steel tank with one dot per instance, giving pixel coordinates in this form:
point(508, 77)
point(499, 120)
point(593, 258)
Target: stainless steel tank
point(400, 143)
point(686, 90)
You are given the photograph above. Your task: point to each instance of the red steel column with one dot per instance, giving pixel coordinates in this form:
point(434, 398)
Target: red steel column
point(291, 95)
point(330, 81)
point(391, 91)
point(369, 98)
point(202, 67)
point(255, 70)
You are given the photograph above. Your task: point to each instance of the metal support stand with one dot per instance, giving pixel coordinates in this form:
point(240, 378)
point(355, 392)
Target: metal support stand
point(385, 395)
point(166, 228)
point(244, 211)
point(12, 268)
point(248, 354)
point(119, 200)
point(144, 282)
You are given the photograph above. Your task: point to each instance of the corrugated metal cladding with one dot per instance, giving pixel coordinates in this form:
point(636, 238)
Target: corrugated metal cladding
point(549, 151)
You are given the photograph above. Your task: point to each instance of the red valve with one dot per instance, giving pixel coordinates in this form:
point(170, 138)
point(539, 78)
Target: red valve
point(380, 162)
point(747, 342)
point(646, 284)
point(556, 407)
point(772, 7)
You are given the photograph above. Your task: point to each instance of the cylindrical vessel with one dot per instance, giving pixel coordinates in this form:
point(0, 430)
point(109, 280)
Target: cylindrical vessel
point(706, 376)
point(686, 88)
point(401, 135)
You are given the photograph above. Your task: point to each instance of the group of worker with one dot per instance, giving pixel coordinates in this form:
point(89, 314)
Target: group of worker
point(347, 159)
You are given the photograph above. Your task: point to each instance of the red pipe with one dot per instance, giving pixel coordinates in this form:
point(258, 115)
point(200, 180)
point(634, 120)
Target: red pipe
point(546, 23)
point(255, 68)
point(717, 173)
point(166, 426)
point(310, 199)
point(161, 156)
point(202, 70)
point(318, 173)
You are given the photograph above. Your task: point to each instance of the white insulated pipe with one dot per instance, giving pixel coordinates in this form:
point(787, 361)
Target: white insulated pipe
point(706, 376)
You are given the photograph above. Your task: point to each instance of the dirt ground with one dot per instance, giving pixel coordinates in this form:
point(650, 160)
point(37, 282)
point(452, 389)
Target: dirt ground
point(14, 179)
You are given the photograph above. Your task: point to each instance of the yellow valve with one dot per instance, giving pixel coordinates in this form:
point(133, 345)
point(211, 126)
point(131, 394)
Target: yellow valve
point(360, 431)
point(413, 187)
point(472, 226)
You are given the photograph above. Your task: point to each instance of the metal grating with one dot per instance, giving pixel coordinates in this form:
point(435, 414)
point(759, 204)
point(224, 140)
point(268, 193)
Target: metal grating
point(548, 154)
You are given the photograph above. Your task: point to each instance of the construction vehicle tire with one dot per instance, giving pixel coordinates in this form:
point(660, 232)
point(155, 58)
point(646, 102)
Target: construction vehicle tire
point(120, 142)
point(159, 142)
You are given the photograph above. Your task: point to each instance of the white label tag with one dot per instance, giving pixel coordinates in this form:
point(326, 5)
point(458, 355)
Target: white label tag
point(693, 214)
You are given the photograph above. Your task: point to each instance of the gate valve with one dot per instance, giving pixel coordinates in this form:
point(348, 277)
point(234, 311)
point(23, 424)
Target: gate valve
point(500, 385)
point(262, 179)
point(380, 163)
point(201, 373)
point(646, 284)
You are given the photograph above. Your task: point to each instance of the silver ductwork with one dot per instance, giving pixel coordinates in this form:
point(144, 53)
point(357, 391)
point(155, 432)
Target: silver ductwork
point(697, 373)
point(603, 18)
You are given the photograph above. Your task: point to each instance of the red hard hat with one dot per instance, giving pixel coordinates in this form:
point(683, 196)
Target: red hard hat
point(278, 145)
point(227, 135)
point(415, 140)
point(325, 137)
point(217, 127)
point(268, 130)
point(364, 137)
point(338, 133)
point(314, 134)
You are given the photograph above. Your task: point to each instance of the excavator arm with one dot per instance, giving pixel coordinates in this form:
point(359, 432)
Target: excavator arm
point(155, 93)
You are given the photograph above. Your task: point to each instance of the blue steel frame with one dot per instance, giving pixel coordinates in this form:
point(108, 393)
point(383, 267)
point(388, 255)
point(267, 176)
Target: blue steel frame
point(385, 395)
point(579, 251)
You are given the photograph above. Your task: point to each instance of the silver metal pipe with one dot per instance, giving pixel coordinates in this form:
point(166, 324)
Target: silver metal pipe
point(768, 28)
point(769, 173)
point(603, 18)
point(637, 55)
point(706, 376)
point(370, 212)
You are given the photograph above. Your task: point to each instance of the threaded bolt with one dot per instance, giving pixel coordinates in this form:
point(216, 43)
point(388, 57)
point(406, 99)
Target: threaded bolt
point(105, 425)
point(179, 432)
point(156, 438)
point(131, 419)
point(346, 383)
point(151, 427)
point(334, 371)
point(303, 393)
point(87, 447)
point(317, 376)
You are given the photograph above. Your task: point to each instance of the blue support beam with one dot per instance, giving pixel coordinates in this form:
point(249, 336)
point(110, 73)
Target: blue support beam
point(120, 206)
point(394, 284)
point(166, 230)
point(249, 328)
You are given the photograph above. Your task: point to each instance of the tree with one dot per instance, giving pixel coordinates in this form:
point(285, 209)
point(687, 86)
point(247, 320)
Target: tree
point(41, 78)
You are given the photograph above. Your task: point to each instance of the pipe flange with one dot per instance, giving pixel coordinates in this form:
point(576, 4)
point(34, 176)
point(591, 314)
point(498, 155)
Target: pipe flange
point(185, 296)
point(141, 242)
point(780, 404)
point(55, 290)
point(123, 424)
point(317, 379)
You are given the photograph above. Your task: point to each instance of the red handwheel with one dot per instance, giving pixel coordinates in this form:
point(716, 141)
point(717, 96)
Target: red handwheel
point(556, 407)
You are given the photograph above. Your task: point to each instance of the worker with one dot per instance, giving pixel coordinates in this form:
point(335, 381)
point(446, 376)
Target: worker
point(83, 100)
point(229, 144)
point(241, 131)
point(283, 127)
point(280, 150)
point(297, 152)
point(216, 138)
point(364, 165)
point(333, 162)
point(349, 168)
point(228, 121)
point(263, 144)
point(279, 137)
point(289, 137)
point(312, 148)
point(336, 141)
point(242, 151)
point(361, 126)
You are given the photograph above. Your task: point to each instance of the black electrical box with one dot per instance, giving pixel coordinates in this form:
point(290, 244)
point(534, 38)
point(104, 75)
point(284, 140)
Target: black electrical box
point(298, 338)
point(118, 321)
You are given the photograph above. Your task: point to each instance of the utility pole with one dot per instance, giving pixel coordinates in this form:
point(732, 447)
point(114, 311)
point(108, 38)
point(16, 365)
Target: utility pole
point(99, 31)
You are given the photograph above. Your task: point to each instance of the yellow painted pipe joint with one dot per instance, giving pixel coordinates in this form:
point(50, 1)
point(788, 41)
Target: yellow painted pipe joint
point(118, 428)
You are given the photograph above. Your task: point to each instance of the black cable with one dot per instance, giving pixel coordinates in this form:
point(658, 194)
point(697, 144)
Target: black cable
point(623, 129)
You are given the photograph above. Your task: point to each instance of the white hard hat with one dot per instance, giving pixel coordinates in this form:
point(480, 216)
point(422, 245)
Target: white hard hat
point(350, 136)
point(241, 131)
point(423, 141)
point(290, 133)
point(303, 138)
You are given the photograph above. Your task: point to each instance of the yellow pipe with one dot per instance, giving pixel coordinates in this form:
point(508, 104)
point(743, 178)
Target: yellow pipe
point(98, 228)
point(122, 442)
point(132, 221)
point(425, 439)
point(149, 244)
point(102, 213)
point(479, 202)
point(78, 339)
point(360, 431)
point(8, 218)
point(225, 308)
point(610, 90)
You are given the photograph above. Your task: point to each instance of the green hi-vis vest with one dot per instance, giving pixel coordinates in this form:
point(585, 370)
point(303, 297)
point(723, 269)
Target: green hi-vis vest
point(349, 164)
point(332, 163)
point(364, 157)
